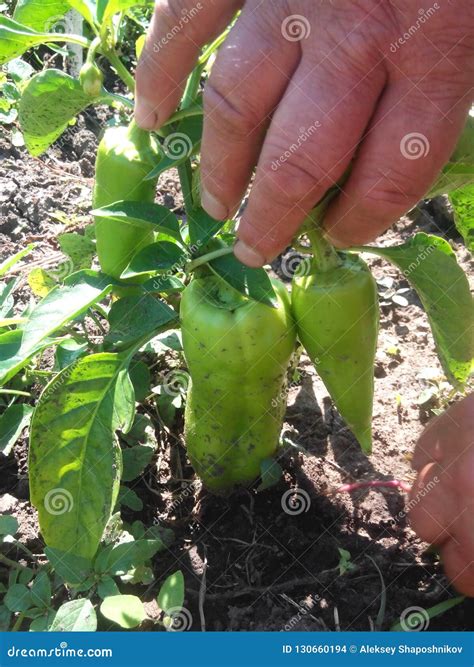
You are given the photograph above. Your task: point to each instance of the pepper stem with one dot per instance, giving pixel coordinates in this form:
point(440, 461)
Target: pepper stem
point(324, 253)
point(205, 259)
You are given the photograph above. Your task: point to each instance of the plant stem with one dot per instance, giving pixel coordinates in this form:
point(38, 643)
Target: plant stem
point(204, 259)
point(111, 98)
point(188, 112)
point(18, 623)
point(73, 39)
point(16, 392)
point(120, 68)
point(324, 253)
point(12, 563)
point(185, 173)
point(94, 47)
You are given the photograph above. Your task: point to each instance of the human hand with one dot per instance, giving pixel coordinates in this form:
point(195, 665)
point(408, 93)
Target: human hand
point(382, 86)
point(442, 499)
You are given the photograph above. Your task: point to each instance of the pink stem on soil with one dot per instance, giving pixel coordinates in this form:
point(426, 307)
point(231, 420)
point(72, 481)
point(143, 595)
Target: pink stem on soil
point(356, 486)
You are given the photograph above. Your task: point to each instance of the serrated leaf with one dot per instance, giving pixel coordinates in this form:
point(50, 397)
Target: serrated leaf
point(253, 283)
point(12, 422)
point(144, 215)
point(50, 100)
point(75, 616)
point(74, 460)
point(429, 264)
point(462, 202)
point(40, 15)
point(171, 595)
point(132, 318)
point(60, 306)
point(161, 256)
point(125, 610)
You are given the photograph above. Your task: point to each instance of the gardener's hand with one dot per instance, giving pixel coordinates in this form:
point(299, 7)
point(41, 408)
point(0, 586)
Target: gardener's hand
point(442, 500)
point(298, 87)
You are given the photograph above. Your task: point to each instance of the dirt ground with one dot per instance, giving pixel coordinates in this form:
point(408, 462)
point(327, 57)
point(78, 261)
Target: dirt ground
point(248, 563)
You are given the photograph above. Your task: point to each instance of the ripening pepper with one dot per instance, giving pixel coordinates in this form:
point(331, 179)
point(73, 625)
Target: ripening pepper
point(237, 351)
point(126, 155)
point(337, 317)
point(91, 79)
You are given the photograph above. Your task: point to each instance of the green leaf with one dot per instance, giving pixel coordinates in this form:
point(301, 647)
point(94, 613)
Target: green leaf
point(40, 15)
point(459, 171)
point(43, 623)
point(79, 248)
point(69, 351)
point(75, 616)
point(107, 587)
point(141, 378)
point(135, 317)
point(462, 202)
point(135, 460)
point(58, 308)
point(125, 610)
point(130, 499)
point(161, 256)
point(5, 617)
point(429, 264)
point(6, 298)
point(253, 283)
point(41, 590)
point(40, 282)
point(19, 70)
point(163, 284)
point(18, 598)
point(202, 227)
point(171, 595)
point(16, 38)
point(8, 525)
point(50, 100)
point(116, 6)
point(420, 621)
point(121, 558)
point(7, 264)
point(144, 215)
point(87, 8)
point(12, 422)
point(74, 460)
point(69, 566)
point(271, 473)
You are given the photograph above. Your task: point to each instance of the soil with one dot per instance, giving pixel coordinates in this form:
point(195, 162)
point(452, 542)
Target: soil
point(248, 563)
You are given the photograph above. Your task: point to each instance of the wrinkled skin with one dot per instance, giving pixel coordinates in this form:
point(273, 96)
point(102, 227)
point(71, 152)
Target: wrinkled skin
point(237, 353)
point(442, 499)
point(347, 91)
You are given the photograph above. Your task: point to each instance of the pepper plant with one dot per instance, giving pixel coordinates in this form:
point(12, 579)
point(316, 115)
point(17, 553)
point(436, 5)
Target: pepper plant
point(161, 270)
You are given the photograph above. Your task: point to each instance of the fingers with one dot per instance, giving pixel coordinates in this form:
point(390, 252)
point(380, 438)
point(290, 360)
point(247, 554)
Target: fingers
point(430, 509)
point(178, 31)
point(308, 147)
point(407, 143)
point(249, 77)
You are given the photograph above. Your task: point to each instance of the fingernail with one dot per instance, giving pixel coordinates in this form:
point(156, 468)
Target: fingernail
point(213, 206)
point(248, 256)
point(146, 116)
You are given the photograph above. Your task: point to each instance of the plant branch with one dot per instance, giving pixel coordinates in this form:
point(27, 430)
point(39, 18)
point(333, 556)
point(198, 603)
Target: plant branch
point(205, 259)
point(120, 68)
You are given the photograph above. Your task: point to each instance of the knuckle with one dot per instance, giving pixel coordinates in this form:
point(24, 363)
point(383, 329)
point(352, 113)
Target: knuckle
point(295, 180)
point(175, 18)
point(231, 119)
